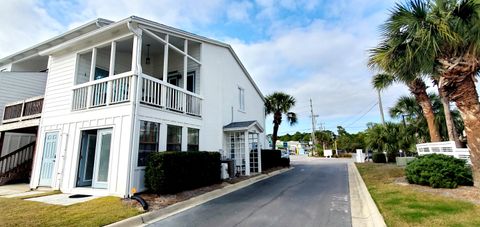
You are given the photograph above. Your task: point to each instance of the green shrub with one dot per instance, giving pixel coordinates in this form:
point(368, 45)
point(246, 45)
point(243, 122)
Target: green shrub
point(379, 157)
point(172, 172)
point(273, 158)
point(439, 171)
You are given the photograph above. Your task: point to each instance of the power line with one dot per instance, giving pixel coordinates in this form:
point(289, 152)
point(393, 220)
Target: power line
point(345, 122)
point(363, 115)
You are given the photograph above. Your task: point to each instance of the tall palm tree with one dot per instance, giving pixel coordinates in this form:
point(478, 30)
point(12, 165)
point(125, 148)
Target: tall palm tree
point(280, 104)
point(449, 122)
point(418, 88)
point(441, 37)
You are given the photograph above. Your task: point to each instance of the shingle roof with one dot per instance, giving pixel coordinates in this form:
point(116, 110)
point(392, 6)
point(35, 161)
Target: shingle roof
point(240, 124)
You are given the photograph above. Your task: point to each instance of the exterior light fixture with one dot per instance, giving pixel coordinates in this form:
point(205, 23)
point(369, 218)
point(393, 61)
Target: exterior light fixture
point(147, 60)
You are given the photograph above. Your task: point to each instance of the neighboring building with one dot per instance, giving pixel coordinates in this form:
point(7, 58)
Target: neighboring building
point(296, 147)
point(115, 92)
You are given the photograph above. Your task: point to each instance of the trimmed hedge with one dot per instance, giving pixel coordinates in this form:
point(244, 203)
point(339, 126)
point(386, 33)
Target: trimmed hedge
point(273, 158)
point(172, 172)
point(379, 157)
point(439, 171)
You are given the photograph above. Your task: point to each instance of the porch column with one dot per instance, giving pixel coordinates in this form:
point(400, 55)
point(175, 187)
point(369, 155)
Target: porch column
point(259, 150)
point(162, 140)
point(185, 62)
point(247, 155)
point(2, 138)
point(165, 73)
point(136, 66)
point(184, 138)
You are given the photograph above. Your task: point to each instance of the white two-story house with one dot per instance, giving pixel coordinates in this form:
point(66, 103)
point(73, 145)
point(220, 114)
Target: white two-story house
point(116, 91)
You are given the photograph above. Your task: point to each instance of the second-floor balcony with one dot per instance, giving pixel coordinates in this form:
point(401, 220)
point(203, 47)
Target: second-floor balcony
point(168, 77)
point(118, 89)
point(23, 110)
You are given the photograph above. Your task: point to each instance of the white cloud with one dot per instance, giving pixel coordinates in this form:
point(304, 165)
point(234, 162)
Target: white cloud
point(24, 23)
point(325, 61)
point(180, 13)
point(323, 58)
point(239, 11)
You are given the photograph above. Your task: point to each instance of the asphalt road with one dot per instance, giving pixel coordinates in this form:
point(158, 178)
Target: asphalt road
point(315, 193)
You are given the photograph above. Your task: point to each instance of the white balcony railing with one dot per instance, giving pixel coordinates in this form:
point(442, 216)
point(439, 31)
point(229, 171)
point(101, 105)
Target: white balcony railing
point(157, 93)
point(154, 92)
point(446, 148)
point(106, 91)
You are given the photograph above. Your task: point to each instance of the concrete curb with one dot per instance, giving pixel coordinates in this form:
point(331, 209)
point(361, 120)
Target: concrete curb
point(157, 215)
point(363, 208)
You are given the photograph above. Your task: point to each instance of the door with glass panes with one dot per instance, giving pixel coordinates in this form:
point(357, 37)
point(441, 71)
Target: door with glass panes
point(94, 159)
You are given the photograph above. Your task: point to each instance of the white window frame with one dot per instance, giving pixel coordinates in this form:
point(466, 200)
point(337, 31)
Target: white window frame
point(241, 99)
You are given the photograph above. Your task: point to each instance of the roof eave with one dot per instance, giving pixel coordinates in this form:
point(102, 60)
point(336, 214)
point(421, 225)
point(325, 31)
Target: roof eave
point(11, 58)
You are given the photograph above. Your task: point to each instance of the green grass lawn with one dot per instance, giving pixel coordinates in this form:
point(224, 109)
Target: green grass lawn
point(405, 206)
point(97, 212)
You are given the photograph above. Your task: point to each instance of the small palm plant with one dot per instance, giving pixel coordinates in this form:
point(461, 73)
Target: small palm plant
point(280, 104)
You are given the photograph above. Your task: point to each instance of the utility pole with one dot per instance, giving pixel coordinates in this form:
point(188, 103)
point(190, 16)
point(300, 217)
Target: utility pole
point(381, 106)
point(313, 125)
point(322, 128)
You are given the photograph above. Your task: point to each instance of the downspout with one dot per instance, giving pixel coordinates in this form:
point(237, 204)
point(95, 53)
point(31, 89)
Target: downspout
point(137, 71)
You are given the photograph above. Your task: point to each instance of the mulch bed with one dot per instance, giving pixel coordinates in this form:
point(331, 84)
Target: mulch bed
point(466, 193)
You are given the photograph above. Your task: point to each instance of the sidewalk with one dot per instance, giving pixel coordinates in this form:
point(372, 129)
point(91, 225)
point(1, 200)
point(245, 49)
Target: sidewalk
point(363, 208)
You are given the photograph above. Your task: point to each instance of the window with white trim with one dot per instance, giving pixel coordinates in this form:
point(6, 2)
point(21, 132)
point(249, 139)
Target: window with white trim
point(241, 99)
point(174, 138)
point(148, 141)
point(193, 139)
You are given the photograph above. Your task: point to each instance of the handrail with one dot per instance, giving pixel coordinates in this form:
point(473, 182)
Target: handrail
point(171, 86)
point(16, 158)
point(16, 151)
point(106, 79)
point(25, 100)
point(23, 110)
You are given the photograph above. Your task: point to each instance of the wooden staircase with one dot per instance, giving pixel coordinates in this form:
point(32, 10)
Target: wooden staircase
point(17, 165)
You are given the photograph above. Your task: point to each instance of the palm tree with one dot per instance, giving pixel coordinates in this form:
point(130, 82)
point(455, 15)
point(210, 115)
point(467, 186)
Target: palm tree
point(440, 37)
point(407, 109)
point(280, 104)
point(452, 131)
point(418, 88)
point(389, 137)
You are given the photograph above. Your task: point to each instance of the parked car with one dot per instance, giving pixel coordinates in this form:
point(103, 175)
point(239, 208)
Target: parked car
point(285, 154)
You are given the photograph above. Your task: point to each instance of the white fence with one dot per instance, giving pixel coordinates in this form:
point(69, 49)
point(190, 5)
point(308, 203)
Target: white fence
point(446, 148)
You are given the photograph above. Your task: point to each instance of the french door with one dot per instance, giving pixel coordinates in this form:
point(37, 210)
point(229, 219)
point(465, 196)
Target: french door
point(94, 158)
point(102, 158)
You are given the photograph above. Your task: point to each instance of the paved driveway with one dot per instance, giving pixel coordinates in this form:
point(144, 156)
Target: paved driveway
point(315, 193)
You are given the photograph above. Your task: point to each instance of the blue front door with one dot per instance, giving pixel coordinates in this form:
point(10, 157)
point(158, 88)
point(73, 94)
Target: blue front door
point(48, 159)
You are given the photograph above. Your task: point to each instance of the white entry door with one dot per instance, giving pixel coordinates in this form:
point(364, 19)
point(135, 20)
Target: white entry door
point(102, 158)
point(48, 158)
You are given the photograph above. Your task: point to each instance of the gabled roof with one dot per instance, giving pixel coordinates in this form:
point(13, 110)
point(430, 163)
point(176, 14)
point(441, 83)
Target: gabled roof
point(242, 126)
point(34, 50)
point(76, 35)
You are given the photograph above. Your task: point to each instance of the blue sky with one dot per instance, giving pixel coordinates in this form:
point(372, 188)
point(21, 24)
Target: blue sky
point(307, 48)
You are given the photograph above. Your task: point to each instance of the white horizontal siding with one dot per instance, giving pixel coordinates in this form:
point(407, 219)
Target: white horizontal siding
point(69, 148)
point(16, 86)
point(59, 87)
